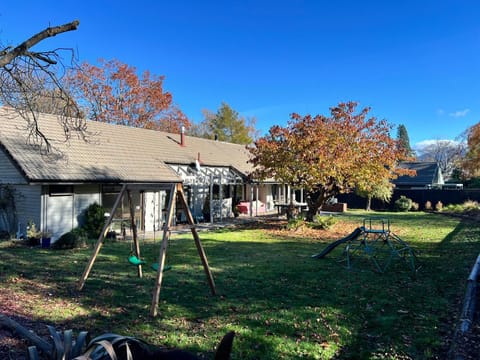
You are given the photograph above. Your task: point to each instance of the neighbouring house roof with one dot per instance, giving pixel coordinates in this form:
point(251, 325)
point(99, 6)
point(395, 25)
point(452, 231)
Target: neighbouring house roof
point(428, 173)
point(113, 153)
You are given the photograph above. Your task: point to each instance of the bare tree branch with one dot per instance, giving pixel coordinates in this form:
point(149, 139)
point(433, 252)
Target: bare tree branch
point(31, 83)
point(7, 55)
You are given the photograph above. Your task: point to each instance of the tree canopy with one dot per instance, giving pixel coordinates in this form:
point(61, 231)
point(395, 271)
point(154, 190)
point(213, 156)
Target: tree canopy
point(471, 162)
point(114, 93)
point(327, 155)
point(225, 125)
point(381, 190)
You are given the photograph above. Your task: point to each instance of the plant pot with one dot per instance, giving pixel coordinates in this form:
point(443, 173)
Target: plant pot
point(46, 242)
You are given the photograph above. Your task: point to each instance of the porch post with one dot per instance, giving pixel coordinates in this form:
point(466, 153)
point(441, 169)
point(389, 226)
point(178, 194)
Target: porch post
point(211, 199)
point(220, 195)
point(251, 200)
point(256, 201)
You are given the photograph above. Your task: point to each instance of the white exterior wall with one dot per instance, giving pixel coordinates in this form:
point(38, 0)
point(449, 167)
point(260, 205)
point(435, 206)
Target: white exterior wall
point(28, 206)
point(27, 197)
point(9, 174)
point(266, 196)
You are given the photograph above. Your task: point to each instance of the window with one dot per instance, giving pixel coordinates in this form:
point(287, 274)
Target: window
point(60, 190)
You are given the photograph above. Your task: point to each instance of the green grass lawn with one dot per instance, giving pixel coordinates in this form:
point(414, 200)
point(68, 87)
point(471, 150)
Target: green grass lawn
point(282, 303)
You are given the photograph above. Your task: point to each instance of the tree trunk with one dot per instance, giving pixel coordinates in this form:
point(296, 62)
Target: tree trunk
point(315, 199)
point(292, 212)
point(369, 203)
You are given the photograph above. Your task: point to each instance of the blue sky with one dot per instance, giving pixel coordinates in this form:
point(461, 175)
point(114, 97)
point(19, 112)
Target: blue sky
point(414, 62)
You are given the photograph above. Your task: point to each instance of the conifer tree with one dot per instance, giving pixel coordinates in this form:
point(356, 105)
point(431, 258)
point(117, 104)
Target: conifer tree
point(403, 140)
point(225, 125)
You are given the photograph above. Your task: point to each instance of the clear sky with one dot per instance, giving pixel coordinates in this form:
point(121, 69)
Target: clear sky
point(414, 62)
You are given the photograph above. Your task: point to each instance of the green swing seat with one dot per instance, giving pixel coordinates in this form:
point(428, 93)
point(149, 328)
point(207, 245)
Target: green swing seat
point(165, 268)
point(132, 259)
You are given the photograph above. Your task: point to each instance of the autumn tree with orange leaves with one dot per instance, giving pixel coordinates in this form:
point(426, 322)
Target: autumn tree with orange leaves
point(471, 162)
point(114, 93)
point(328, 155)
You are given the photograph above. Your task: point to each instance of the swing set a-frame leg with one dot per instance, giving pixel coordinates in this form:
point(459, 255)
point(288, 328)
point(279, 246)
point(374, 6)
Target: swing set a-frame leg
point(163, 251)
point(178, 190)
point(99, 243)
point(198, 243)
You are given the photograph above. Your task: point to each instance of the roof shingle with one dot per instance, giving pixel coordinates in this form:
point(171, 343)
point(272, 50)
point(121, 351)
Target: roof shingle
point(112, 153)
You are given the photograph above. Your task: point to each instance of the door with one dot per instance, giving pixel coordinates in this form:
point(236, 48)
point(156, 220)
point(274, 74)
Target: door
point(59, 215)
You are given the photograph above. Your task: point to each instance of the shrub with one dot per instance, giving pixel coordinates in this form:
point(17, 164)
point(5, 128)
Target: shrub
point(428, 206)
point(94, 220)
point(415, 206)
point(323, 222)
point(4, 235)
point(454, 208)
point(295, 224)
point(33, 234)
point(439, 206)
point(403, 203)
point(66, 241)
point(470, 205)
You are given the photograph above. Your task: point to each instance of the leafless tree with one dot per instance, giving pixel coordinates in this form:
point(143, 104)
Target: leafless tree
point(30, 82)
point(446, 153)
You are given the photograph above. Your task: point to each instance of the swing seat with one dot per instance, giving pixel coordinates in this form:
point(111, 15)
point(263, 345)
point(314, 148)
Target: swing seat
point(165, 268)
point(132, 259)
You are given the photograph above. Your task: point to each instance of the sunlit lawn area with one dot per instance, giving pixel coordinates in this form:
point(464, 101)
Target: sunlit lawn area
point(282, 303)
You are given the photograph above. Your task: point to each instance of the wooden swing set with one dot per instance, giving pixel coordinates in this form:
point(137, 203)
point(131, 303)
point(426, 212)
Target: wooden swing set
point(176, 190)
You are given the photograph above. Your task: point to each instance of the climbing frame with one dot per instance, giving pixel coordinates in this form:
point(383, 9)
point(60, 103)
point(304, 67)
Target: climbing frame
point(380, 245)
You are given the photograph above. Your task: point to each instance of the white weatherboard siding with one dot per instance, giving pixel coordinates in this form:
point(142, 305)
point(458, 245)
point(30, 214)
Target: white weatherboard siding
point(9, 174)
point(28, 206)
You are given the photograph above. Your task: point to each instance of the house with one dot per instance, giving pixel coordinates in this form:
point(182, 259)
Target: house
point(428, 175)
point(53, 189)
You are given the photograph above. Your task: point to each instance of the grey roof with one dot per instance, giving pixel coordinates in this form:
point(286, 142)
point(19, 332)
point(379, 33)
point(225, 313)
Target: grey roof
point(112, 153)
point(427, 174)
